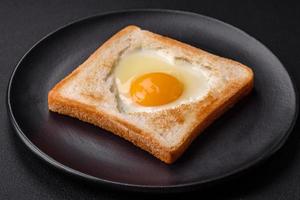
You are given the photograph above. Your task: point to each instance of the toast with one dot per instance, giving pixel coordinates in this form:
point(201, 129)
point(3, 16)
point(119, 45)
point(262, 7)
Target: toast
point(89, 94)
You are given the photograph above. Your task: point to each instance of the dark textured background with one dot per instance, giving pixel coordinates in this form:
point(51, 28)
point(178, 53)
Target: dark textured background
point(22, 23)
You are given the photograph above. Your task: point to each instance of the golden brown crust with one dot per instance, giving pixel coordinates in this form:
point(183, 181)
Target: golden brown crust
point(196, 51)
point(215, 110)
point(89, 114)
point(139, 137)
point(94, 55)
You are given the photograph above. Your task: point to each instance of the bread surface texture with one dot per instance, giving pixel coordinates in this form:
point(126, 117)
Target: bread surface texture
point(89, 93)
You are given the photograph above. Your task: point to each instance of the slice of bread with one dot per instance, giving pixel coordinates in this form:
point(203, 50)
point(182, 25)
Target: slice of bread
point(89, 93)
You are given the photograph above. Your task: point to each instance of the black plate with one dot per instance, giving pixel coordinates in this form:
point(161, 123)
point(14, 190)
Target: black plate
point(247, 134)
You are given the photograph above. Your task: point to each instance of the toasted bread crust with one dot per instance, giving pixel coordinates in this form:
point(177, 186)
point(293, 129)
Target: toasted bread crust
point(89, 114)
point(215, 111)
point(93, 56)
point(138, 136)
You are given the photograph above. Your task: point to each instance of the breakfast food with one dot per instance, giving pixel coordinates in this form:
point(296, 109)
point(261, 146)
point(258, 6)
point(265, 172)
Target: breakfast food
point(147, 81)
point(153, 91)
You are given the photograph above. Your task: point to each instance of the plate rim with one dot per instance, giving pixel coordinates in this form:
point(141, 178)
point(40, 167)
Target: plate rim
point(139, 187)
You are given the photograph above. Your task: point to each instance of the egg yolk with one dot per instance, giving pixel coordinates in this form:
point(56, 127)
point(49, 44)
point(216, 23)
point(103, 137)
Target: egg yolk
point(155, 89)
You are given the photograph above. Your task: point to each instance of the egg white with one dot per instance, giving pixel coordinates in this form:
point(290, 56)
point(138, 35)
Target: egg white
point(137, 63)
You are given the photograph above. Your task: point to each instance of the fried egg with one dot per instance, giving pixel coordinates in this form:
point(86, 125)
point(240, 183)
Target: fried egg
point(148, 81)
